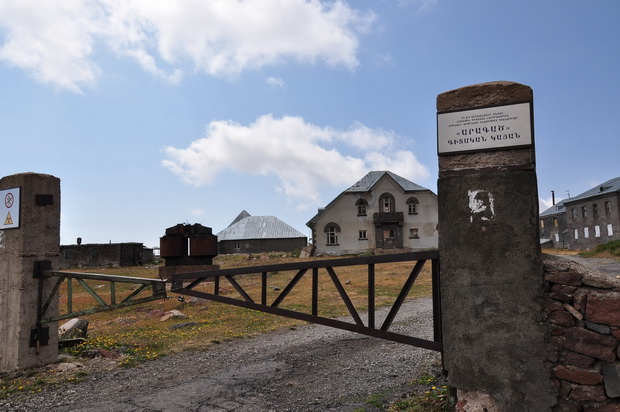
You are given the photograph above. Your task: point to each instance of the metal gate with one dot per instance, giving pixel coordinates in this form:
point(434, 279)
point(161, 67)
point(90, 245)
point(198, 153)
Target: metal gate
point(186, 284)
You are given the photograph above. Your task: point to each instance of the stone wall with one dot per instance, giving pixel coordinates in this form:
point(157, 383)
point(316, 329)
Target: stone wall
point(582, 310)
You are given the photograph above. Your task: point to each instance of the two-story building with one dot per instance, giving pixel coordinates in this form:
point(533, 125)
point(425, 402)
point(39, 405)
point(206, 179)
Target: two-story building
point(381, 211)
point(593, 217)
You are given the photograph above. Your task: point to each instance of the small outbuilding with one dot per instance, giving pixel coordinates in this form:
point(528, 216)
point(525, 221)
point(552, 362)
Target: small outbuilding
point(259, 234)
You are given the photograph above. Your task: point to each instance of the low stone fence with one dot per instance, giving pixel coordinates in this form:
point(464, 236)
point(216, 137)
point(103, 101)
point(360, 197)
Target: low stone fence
point(582, 308)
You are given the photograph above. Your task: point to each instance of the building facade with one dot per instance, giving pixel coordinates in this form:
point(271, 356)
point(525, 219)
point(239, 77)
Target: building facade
point(381, 211)
point(593, 217)
point(259, 234)
point(553, 227)
point(104, 254)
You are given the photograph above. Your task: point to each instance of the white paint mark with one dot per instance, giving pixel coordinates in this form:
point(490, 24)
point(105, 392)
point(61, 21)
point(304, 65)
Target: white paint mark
point(1, 239)
point(481, 204)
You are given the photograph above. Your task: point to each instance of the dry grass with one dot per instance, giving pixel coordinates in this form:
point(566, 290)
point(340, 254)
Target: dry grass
point(139, 333)
point(138, 324)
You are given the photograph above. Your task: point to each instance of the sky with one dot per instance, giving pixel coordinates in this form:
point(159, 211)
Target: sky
point(154, 113)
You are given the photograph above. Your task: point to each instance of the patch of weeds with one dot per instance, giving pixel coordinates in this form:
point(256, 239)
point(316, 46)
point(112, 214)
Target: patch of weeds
point(609, 249)
point(129, 355)
point(430, 395)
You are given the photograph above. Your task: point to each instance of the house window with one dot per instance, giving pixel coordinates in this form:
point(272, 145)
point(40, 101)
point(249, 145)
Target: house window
point(584, 212)
point(542, 224)
point(69, 253)
point(331, 231)
point(597, 231)
point(362, 206)
point(586, 232)
point(413, 233)
point(386, 203)
point(412, 206)
point(594, 210)
point(607, 208)
point(576, 234)
point(557, 238)
point(573, 213)
point(610, 230)
point(555, 221)
point(237, 246)
point(362, 235)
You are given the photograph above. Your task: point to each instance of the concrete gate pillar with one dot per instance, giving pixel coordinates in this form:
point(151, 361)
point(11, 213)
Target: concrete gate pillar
point(29, 234)
point(492, 275)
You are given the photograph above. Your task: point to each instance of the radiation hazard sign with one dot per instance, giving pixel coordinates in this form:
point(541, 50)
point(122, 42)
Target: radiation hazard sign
point(9, 208)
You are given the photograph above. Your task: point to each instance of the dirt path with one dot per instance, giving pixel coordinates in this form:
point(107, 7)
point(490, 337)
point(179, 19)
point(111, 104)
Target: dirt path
point(310, 368)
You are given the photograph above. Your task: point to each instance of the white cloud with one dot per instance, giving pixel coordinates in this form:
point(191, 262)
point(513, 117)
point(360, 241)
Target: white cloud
point(544, 204)
point(301, 155)
point(55, 40)
point(275, 82)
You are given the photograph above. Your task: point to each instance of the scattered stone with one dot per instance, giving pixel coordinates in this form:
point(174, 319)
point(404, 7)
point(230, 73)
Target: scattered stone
point(66, 366)
point(348, 282)
point(197, 301)
point(173, 314)
point(184, 325)
point(74, 328)
point(307, 252)
point(155, 314)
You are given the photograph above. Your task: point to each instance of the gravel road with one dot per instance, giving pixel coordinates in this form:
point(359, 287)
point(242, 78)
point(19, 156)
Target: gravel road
point(309, 368)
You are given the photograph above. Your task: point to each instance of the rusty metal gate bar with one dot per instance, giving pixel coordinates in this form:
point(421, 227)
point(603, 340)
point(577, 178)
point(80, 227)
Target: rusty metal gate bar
point(196, 278)
point(158, 291)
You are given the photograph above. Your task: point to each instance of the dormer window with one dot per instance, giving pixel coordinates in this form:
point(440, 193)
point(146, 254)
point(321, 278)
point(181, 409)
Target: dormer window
point(362, 206)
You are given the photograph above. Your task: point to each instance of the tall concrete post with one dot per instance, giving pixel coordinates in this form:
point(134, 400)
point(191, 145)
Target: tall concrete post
point(491, 272)
point(29, 238)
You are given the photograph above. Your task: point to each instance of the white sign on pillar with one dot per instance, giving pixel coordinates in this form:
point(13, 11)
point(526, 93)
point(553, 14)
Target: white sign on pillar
point(491, 128)
point(9, 208)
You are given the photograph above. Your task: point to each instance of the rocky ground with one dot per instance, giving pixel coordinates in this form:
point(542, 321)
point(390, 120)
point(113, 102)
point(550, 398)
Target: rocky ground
point(309, 368)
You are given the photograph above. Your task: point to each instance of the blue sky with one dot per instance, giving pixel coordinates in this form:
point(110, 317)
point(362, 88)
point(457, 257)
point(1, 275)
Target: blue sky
point(154, 113)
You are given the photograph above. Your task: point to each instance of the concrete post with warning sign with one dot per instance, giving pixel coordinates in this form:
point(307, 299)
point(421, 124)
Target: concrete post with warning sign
point(29, 241)
point(491, 271)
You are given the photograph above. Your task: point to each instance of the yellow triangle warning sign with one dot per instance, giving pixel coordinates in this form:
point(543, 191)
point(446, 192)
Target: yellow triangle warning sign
point(8, 220)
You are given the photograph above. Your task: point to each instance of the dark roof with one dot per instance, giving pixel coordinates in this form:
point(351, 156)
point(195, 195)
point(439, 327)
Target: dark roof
point(259, 227)
point(609, 187)
point(241, 216)
point(556, 209)
point(368, 181)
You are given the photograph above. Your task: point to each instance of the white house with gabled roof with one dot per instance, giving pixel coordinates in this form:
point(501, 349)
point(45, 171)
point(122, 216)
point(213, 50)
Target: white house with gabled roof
point(381, 211)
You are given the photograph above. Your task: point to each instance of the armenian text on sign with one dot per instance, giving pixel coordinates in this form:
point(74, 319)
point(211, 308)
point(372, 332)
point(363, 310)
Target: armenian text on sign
point(490, 128)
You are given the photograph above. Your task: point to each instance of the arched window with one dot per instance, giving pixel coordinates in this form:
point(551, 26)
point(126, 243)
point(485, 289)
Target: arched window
point(331, 230)
point(362, 206)
point(412, 205)
point(386, 203)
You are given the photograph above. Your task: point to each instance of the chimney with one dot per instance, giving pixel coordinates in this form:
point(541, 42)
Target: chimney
point(552, 198)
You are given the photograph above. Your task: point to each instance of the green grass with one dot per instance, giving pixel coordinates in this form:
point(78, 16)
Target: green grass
point(607, 250)
point(430, 395)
